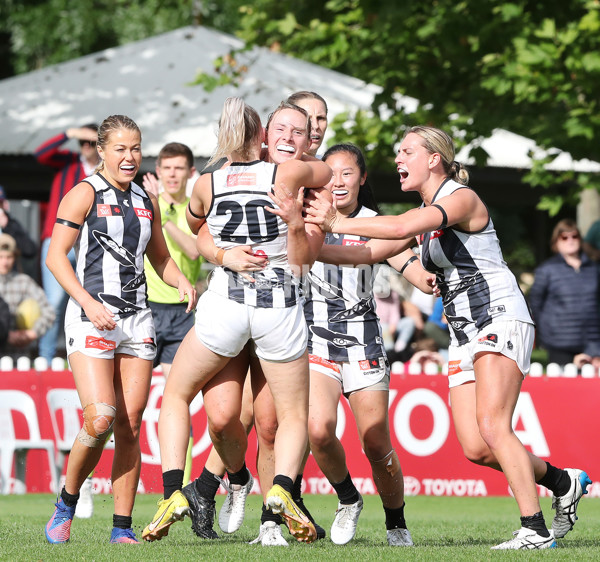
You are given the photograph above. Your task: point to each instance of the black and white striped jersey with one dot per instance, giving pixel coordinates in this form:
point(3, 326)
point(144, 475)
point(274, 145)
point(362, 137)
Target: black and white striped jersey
point(476, 284)
point(237, 217)
point(110, 248)
point(340, 308)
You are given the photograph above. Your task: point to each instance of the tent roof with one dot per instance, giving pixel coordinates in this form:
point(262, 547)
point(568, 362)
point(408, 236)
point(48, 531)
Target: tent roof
point(150, 81)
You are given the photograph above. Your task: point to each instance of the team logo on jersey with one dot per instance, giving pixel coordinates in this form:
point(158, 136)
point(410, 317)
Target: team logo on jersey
point(121, 254)
point(347, 242)
point(105, 210)
point(121, 305)
point(325, 289)
point(489, 339)
point(463, 286)
point(93, 342)
point(136, 282)
point(359, 309)
point(144, 213)
point(241, 179)
point(337, 339)
point(457, 322)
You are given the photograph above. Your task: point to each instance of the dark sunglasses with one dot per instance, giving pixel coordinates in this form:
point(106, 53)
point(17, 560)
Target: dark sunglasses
point(84, 142)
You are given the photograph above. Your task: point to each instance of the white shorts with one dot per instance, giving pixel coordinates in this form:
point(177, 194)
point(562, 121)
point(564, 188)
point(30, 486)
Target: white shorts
point(371, 374)
point(134, 335)
point(225, 326)
point(511, 338)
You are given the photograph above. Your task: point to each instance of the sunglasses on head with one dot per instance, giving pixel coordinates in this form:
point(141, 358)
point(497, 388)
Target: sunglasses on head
point(84, 142)
point(569, 235)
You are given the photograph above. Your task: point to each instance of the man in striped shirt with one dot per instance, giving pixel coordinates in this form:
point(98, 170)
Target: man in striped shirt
point(71, 167)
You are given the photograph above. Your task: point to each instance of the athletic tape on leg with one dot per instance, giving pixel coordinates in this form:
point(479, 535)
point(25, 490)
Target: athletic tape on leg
point(92, 415)
point(391, 462)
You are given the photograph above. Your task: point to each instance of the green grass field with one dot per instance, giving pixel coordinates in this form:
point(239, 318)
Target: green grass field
point(442, 529)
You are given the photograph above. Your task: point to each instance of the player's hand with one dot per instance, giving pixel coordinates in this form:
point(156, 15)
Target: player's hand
point(186, 289)
point(99, 315)
point(150, 183)
point(431, 281)
point(243, 260)
point(321, 210)
point(289, 208)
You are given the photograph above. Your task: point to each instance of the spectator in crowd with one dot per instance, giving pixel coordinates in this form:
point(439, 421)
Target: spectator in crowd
point(564, 299)
point(436, 327)
point(71, 168)
point(4, 322)
point(9, 225)
point(397, 327)
point(426, 351)
point(174, 168)
point(30, 313)
point(591, 242)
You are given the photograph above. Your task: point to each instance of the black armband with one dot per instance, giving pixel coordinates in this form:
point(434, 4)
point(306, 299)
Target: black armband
point(444, 217)
point(70, 224)
point(408, 262)
point(194, 214)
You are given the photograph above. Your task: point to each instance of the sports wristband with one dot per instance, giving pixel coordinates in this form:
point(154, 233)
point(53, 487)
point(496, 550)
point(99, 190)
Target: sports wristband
point(408, 262)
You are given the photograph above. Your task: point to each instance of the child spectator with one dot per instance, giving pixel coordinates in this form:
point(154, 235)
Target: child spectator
point(15, 288)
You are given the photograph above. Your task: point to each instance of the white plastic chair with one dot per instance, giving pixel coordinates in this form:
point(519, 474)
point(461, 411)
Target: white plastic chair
point(67, 401)
point(12, 448)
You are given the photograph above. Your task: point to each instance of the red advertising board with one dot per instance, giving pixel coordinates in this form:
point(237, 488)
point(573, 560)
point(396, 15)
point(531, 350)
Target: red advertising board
point(420, 423)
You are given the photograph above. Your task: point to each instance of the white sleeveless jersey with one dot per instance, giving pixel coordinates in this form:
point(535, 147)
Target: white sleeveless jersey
point(237, 217)
point(476, 285)
point(110, 249)
point(340, 309)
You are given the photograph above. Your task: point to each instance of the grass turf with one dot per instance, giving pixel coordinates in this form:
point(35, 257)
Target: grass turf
point(443, 528)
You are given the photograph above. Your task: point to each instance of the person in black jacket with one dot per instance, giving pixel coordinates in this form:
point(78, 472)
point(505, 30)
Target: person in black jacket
point(4, 322)
point(9, 225)
point(564, 300)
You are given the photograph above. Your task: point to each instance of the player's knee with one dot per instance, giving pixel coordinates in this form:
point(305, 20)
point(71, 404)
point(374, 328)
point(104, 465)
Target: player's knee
point(98, 420)
point(266, 430)
point(321, 435)
point(477, 454)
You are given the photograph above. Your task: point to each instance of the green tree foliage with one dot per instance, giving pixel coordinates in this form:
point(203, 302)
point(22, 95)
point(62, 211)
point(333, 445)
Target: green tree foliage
point(43, 32)
point(529, 66)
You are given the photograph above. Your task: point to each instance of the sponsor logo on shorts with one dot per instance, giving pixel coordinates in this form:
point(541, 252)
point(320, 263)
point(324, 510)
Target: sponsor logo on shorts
point(316, 360)
point(347, 242)
point(454, 367)
point(99, 343)
point(144, 213)
point(241, 179)
point(371, 366)
point(71, 341)
point(510, 345)
point(495, 310)
point(149, 341)
point(488, 339)
point(105, 210)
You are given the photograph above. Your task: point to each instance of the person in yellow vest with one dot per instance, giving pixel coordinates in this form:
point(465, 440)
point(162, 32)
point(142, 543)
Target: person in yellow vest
point(174, 167)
